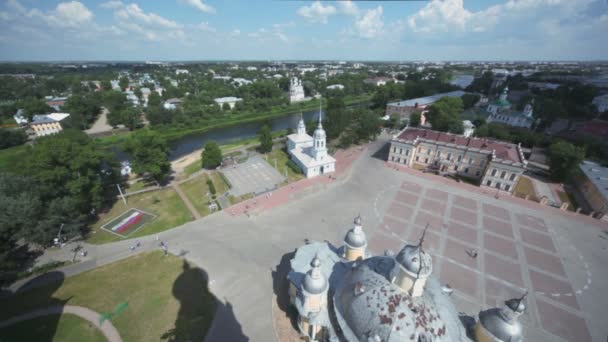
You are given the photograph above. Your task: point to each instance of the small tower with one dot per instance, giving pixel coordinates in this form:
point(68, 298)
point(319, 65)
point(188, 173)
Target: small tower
point(355, 242)
point(314, 295)
point(301, 126)
point(412, 268)
point(505, 94)
point(529, 109)
point(501, 324)
point(319, 150)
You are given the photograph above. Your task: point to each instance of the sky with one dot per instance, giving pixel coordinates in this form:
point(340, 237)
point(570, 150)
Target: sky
point(185, 30)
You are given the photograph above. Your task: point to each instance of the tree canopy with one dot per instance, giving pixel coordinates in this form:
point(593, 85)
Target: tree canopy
point(265, 139)
point(149, 154)
point(444, 115)
point(212, 155)
point(564, 158)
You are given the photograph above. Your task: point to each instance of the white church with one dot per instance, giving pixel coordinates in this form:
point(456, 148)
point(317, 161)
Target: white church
point(310, 153)
point(296, 91)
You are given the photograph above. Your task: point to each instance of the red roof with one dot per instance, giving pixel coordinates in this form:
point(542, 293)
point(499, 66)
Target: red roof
point(598, 128)
point(506, 151)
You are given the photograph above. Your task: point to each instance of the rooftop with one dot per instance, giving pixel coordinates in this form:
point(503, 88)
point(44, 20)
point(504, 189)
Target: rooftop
point(427, 100)
point(598, 175)
point(503, 150)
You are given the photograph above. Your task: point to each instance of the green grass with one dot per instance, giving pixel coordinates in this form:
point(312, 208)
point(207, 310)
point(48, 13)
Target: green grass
point(10, 158)
point(139, 185)
point(163, 293)
point(525, 187)
point(165, 204)
point(218, 181)
point(281, 158)
point(196, 190)
point(568, 198)
point(69, 328)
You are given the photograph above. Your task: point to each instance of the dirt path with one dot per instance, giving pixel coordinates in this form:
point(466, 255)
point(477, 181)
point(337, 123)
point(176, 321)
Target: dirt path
point(108, 329)
point(191, 207)
point(101, 124)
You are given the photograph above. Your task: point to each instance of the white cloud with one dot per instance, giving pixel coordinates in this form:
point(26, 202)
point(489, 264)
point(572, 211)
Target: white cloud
point(204, 26)
point(348, 7)
point(200, 5)
point(134, 12)
point(370, 24)
point(317, 13)
point(112, 4)
point(442, 16)
point(235, 32)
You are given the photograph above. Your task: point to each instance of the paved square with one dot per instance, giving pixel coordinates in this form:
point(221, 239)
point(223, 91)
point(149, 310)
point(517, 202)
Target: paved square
point(434, 206)
point(466, 203)
point(532, 222)
point(462, 215)
point(499, 245)
point(401, 211)
point(253, 176)
point(457, 251)
point(546, 262)
point(562, 323)
point(498, 227)
point(380, 243)
point(461, 279)
point(437, 194)
point(462, 232)
point(406, 197)
point(554, 288)
point(536, 239)
point(424, 218)
point(495, 211)
point(508, 271)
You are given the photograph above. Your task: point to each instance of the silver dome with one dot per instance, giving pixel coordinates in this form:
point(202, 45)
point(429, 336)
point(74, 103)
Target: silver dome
point(358, 220)
point(517, 305)
point(314, 281)
point(413, 257)
point(500, 326)
point(355, 237)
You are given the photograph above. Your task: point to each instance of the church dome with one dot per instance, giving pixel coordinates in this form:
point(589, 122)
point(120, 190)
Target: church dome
point(495, 321)
point(319, 133)
point(369, 307)
point(355, 237)
point(412, 258)
point(314, 281)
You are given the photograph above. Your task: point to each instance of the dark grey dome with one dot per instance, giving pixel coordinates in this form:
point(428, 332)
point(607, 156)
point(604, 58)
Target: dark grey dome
point(504, 329)
point(314, 281)
point(355, 237)
point(413, 257)
point(517, 305)
point(358, 220)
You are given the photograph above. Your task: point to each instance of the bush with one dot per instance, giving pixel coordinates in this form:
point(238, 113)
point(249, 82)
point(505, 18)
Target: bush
point(211, 187)
point(294, 167)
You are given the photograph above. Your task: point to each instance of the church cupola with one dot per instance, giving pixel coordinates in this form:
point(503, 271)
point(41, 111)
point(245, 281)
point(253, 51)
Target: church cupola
point(501, 324)
point(413, 267)
point(505, 94)
point(355, 242)
point(529, 109)
point(301, 126)
point(314, 287)
point(319, 150)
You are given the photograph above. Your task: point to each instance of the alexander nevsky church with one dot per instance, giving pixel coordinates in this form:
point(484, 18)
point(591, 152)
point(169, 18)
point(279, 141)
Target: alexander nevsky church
point(346, 294)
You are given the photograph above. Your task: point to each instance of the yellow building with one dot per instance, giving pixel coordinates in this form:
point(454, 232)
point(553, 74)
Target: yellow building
point(48, 124)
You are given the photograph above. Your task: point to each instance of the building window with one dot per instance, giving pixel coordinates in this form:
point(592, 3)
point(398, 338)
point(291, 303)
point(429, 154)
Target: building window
point(428, 152)
point(400, 151)
point(470, 161)
point(407, 152)
point(455, 167)
point(392, 158)
point(482, 162)
point(438, 153)
point(498, 185)
point(503, 175)
point(512, 177)
point(459, 158)
point(426, 160)
point(477, 173)
point(419, 149)
point(417, 158)
point(466, 170)
point(493, 172)
point(489, 183)
point(449, 156)
point(507, 187)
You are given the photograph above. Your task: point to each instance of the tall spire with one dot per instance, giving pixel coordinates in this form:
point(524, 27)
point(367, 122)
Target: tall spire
point(320, 113)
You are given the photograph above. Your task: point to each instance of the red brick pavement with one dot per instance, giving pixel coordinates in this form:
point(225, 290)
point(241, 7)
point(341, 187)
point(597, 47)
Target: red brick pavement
point(432, 241)
point(498, 227)
point(462, 232)
point(437, 194)
point(462, 215)
point(495, 211)
point(403, 212)
point(539, 240)
point(506, 270)
point(497, 292)
point(380, 243)
point(544, 261)
point(531, 222)
point(562, 323)
point(434, 206)
point(549, 285)
point(407, 197)
point(457, 251)
point(424, 218)
point(460, 279)
point(465, 202)
point(499, 245)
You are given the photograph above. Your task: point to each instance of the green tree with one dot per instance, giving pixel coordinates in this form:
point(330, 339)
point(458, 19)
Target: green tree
point(225, 107)
point(444, 113)
point(564, 158)
point(369, 125)
point(131, 117)
point(482, 84)
point(265, 139)
point(337, 117)
point(123, 82)
point(415, 119)
point(154, 99)
point(469, 100)
point(211, 155)
point(149, 154)
point(32, 106)
point(83, 109)
point(12, 137)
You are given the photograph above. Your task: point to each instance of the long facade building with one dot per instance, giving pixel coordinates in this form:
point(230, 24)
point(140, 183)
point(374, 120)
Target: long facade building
point(492, 163)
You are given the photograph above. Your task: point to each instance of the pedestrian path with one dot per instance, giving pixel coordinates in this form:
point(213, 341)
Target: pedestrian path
point(191, 207)
point(107, 328)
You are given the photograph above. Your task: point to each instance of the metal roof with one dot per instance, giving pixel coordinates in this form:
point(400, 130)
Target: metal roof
point(598, 175)
point(427, 100)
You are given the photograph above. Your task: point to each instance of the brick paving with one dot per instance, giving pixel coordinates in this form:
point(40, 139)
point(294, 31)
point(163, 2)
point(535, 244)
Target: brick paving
point(516, 253)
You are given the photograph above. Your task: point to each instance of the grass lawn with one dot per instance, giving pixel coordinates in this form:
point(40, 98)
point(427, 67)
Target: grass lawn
point(196, 190)
point(165, 204)
point(218, 181)
point(282, 158)
point(566, 197)
point(70, 328)
point(192, 168)
point(167, 298)
point(140, 184)
point(525, 187)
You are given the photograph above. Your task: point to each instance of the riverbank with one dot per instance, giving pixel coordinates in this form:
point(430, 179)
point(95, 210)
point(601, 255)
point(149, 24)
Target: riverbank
point(176, 133)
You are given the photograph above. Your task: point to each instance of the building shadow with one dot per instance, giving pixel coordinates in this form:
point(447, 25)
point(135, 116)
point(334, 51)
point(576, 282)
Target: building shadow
point(15, 304)
point(280, 286)
point(201, 315)
point(382, 152)
point(18, 260)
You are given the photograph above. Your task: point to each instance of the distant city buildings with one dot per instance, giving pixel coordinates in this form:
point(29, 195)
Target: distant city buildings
point(296, 91)
point(468, 127)
point(592, 182)
point(335, 87)
point(172, 104)
point(501, 112)
point(230, 100)
point(405, 108)
point(43, 125)
point(601, 102)
point(492, 163)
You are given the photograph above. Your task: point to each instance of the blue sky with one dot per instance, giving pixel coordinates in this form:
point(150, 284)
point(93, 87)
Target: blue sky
point(279, 30)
